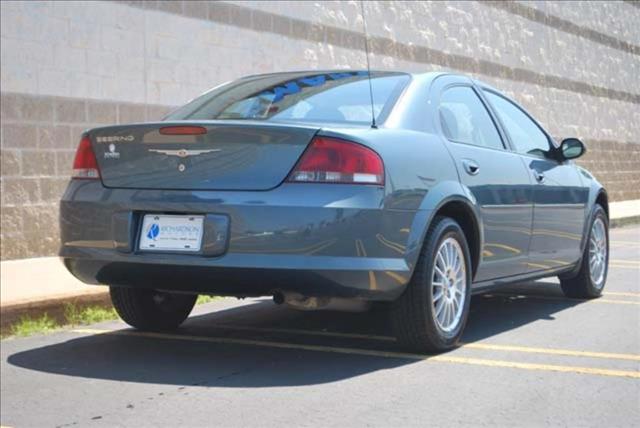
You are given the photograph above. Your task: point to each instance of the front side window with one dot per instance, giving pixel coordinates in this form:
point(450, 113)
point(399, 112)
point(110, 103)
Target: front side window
point(465, 119)
point(304, 97)
point(526, 136)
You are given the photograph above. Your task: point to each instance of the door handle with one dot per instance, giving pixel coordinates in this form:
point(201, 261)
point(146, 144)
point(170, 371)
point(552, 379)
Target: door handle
point(470, 166)
point(539, 176)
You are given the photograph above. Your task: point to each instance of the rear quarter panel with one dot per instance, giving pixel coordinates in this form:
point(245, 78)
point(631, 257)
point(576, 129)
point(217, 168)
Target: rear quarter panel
point(420, 176)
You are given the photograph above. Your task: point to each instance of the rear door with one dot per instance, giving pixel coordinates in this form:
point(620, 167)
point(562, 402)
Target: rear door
point(495, 176)
point(560, 199)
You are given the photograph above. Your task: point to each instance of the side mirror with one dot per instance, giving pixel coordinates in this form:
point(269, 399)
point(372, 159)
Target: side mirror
point(572, 148)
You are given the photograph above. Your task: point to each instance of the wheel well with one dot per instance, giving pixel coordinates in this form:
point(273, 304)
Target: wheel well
point(603, 201)
point(463, 215)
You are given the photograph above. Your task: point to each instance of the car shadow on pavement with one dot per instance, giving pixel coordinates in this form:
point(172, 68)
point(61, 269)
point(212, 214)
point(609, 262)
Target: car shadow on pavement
point(180, 358)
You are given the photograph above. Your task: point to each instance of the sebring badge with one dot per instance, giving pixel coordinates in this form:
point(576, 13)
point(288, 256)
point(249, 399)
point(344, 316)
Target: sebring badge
point(115, 139)
point(184, 153)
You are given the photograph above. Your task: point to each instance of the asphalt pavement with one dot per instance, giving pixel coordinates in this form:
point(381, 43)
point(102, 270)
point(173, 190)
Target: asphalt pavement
point(530, 357)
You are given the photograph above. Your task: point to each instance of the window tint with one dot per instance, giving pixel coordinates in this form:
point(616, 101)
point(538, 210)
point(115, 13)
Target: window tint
point(525, 134)
point(305, 97)
point(465, 119)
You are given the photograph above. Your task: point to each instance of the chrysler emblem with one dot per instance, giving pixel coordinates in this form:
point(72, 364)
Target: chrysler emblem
point(183, 153)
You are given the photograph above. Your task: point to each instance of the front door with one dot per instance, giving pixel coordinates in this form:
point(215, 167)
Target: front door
point(560, 199)
point(494, 175)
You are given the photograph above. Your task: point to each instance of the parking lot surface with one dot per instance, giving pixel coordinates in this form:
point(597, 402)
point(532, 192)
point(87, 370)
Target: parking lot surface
point(530, 357)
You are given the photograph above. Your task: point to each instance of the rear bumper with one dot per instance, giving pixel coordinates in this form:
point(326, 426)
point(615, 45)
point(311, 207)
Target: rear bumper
point(239, 275)
point(316, 240)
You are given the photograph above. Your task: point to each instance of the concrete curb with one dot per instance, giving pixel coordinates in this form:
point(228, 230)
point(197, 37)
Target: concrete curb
point(54, 308)
point(32, 287)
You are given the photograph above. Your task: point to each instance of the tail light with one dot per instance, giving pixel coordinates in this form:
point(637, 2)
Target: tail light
point(331, 160)
point(85, 164)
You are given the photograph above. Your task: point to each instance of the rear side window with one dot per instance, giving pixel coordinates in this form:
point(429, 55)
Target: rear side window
point(305, 97)
point(526, 136)
point(465, 119)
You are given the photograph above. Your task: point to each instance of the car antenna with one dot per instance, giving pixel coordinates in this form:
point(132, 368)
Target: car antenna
point(366, 51)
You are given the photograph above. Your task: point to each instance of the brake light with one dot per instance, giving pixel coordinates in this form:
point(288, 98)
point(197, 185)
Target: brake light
point(183, 130)
point(332, 160)
point(85, 164)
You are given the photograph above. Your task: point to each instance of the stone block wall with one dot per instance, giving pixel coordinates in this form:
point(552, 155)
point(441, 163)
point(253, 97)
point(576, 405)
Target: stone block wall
point(68, 66)
point(40, 134)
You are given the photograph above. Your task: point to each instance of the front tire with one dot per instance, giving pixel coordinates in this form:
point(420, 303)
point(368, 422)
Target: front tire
point(589, 282)
point(431, 314)
point(150, 309)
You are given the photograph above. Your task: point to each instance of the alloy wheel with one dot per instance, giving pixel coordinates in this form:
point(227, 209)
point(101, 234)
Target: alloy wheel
point(598, 253)
point(449, 285)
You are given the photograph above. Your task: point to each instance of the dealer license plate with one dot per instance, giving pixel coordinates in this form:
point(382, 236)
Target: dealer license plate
point(162, 232)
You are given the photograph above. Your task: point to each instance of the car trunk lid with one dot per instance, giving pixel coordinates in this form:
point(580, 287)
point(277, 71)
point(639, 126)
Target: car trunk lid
point(211, 155)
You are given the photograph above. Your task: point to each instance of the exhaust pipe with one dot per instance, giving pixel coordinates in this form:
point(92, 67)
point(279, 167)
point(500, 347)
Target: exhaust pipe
point(278, 298)
point(307, 303)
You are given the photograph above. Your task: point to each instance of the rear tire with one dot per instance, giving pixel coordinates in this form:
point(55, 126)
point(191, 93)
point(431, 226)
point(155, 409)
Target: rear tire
point(417, 316)
point(150, 309)
point(589, 281)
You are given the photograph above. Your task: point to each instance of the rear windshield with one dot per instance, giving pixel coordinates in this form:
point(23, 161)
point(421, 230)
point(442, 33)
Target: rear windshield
point(305, 97)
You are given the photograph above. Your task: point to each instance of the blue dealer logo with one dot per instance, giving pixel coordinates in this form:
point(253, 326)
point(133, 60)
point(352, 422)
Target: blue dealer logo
point(153, 231)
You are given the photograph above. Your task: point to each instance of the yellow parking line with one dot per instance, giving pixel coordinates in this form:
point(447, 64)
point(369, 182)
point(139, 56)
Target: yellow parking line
point(374, 353)
point(619, 302)
point(558, 262)
point(569, 299)
point(360, 248)
point(395, 276)
point(304, 332)
point(504, 247)
point(551, 351)
point(536, 265)
point(619, 293)
point(631, 262)
point(322, 247)
point(541, 367)
point(390, 244)
point(474, 345)
point(373, 284)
